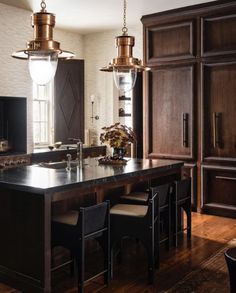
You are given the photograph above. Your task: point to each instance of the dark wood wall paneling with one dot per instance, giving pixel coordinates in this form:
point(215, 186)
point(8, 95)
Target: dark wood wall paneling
point(190, 102)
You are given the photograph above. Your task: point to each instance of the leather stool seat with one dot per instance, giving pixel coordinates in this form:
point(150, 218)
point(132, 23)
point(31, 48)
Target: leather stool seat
point(69, 218)
point(129, 210)
point(139, 196)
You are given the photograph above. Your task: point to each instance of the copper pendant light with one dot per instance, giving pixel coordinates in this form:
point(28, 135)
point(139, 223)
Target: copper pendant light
point(125, 66)
point(43, 52)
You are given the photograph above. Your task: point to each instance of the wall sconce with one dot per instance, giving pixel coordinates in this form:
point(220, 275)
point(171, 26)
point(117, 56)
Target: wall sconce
point(43, 52)
point(96, 117)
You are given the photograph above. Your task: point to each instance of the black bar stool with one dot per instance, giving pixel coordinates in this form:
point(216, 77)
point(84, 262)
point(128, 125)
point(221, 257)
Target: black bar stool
point(142, 222)
point(230, 257)
point(73, 228)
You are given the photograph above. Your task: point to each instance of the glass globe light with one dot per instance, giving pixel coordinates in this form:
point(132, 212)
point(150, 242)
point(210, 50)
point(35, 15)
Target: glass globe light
point(42, 66)
point(124, 78)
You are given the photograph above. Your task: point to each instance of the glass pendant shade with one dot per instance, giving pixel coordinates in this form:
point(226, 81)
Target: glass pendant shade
point(42, 67)
point(124, 79)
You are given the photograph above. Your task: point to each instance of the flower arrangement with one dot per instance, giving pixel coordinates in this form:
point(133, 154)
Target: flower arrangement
point(117, 135)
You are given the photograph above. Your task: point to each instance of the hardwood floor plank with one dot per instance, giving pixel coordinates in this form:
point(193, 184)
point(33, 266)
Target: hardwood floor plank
point(209, 234)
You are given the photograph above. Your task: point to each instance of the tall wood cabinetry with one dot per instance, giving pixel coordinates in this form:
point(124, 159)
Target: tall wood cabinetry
point(190, 98)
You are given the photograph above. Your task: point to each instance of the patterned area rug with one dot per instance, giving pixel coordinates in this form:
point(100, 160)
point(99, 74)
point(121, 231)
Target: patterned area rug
point(211, 277)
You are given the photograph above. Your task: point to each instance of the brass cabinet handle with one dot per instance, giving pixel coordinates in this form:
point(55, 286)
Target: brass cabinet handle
point(216, 136)
point(226, 178)
point(185, 130)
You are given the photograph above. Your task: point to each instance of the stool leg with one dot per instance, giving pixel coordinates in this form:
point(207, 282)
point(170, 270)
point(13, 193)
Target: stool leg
point(81, 265)
point(189, 222)
point(169, 227)
point(187, 209)
point(157, 243)
point(72, 265)
point(151, 263)
point(176, 225)
point(107, 258)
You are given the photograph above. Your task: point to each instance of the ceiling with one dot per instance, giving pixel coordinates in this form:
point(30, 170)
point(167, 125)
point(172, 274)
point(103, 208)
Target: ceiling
point(86, 16)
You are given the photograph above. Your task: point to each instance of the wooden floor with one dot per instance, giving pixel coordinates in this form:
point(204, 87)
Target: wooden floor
point(209, 234)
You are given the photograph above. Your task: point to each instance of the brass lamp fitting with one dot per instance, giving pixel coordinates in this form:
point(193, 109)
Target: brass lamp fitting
point(43, 24)
point(125, 59)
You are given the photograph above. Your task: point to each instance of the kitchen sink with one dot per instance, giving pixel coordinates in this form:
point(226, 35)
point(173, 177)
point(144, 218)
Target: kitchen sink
point(58, 165)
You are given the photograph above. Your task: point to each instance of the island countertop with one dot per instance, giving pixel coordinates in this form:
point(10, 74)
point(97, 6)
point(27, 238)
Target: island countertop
point(43, 180)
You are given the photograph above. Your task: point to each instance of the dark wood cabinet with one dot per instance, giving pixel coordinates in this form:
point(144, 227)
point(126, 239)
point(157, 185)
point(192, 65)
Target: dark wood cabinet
point(69, 100)
point(190, 102)
point(171, 112)
point(219, 190)
point(218, 111)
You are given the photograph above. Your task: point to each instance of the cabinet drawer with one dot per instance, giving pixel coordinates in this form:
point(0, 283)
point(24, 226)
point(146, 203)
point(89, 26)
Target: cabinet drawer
point(218, 35)
point(170, 42)
point(219, 190)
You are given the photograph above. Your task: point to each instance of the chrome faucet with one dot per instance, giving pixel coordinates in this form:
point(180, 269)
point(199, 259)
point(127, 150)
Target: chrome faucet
point(79, 148)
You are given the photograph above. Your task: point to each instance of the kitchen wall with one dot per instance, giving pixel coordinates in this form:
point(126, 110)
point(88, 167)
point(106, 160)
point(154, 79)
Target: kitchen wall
point(97, 49)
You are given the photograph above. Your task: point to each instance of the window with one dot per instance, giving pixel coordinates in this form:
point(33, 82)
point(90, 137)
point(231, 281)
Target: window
point(43, 114)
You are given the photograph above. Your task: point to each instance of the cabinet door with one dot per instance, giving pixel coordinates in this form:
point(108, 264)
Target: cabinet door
point(69, 100)
point(219, 190)
point(170, 41)
point(170, 112)
point(219, 108)
point(218, 34)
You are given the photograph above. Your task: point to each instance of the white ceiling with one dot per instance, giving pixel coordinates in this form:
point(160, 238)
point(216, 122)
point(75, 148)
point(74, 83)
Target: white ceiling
point(86, 16)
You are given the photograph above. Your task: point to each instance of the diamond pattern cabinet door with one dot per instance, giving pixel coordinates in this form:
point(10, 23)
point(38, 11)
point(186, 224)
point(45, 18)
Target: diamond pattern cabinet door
point(69, 100)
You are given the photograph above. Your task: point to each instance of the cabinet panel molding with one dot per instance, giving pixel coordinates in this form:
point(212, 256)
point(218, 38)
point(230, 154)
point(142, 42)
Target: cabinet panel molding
point(218, 35)
point(170, 42)
point(218, 111)
point(219, 190)
point(171, 114)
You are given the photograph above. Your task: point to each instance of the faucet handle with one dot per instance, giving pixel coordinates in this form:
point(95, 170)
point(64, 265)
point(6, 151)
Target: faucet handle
point(68, 168)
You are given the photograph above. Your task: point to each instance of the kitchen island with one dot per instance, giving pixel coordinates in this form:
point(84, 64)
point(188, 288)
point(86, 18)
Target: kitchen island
point(27, 195)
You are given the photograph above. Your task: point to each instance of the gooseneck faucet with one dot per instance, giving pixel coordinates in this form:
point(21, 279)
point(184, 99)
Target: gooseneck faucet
point(79, 148)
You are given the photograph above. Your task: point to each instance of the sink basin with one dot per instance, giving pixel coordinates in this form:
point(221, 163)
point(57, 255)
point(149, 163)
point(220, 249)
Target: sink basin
point(58, 165)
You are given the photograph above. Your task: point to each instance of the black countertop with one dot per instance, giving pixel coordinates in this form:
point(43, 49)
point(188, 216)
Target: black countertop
point(43, 180)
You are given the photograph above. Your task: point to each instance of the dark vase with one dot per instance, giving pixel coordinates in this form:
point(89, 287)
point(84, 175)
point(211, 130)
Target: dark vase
point(119, 152)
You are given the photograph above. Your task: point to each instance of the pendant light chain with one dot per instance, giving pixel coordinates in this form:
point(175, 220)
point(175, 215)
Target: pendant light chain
point(43, 5)
point(124, 29)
